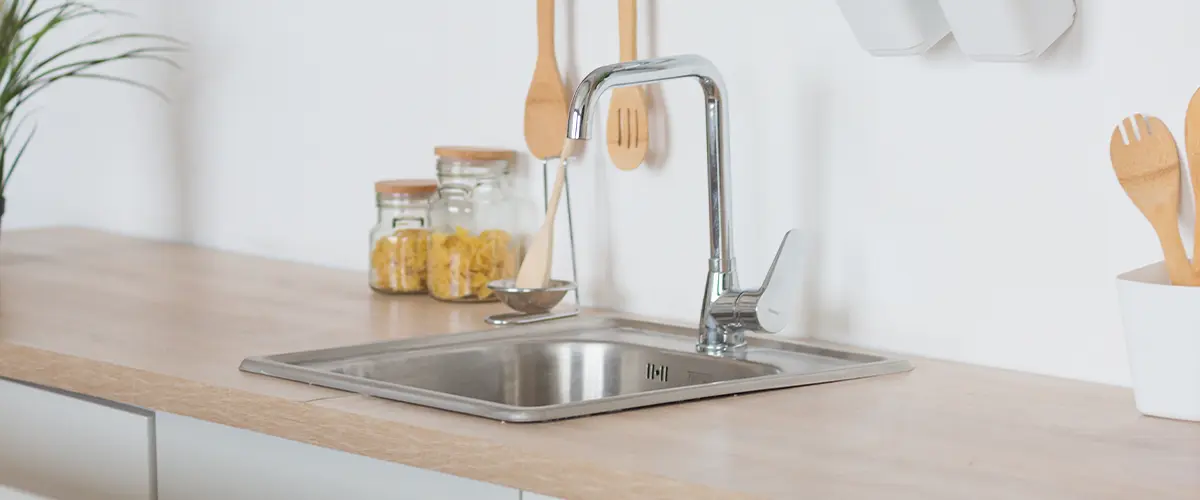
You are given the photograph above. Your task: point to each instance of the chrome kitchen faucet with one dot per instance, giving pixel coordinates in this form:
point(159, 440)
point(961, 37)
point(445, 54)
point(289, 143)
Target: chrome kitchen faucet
point(728, 311)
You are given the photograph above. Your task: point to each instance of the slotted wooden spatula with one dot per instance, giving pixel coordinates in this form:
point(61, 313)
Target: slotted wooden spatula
point(546, 102)
point(628, 129)
point(1146, 162)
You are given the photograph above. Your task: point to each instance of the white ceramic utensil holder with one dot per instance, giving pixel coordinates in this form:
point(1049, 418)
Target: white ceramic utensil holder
point(1162, 335)
point(895, 27)
point(1007, 30)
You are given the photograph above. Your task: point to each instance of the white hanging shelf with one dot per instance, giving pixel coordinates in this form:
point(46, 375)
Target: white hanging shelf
point(895, 27)
point(1007, 30)
point(986, 30)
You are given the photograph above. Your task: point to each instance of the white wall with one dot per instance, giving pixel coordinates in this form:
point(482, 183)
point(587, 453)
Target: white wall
point(962, 210)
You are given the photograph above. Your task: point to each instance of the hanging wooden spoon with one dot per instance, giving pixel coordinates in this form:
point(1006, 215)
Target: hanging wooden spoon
point(1148, 168)
point(546, 102)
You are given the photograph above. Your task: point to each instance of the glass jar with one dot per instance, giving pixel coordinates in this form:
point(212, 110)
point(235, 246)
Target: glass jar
point(400, 238)
point(477, 224)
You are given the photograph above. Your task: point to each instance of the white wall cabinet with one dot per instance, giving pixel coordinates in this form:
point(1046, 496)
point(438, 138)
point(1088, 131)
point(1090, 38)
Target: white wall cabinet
point(200, 460)
point(65, 446)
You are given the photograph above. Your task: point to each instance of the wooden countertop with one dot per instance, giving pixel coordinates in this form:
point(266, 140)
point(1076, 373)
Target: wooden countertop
point(165, 326)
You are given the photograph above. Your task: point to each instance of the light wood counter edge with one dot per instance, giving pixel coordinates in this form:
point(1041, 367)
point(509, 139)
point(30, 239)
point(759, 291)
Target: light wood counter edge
point(300, 421)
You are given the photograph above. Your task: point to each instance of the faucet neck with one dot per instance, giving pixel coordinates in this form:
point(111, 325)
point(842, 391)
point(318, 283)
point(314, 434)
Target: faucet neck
point(640, 72)
point(719, 212)
point(722, 277)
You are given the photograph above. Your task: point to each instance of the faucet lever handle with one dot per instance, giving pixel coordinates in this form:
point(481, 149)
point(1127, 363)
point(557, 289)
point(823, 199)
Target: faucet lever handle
point(772, 306)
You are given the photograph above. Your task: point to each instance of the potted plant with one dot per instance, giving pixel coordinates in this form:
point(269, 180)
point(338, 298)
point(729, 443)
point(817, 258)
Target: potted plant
point(28, 65)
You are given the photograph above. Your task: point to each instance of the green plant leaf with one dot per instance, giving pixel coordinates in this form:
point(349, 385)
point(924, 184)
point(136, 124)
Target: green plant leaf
point(25, 71)
point(17, 160)
point(99, 41)
point(147, 53)
point(118, 79)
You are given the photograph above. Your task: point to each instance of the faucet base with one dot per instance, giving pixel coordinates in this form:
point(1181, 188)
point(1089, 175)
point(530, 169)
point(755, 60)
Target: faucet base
point(732, 341)
point(716, 337)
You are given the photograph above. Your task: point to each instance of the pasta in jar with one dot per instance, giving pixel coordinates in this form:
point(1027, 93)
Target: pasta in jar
point(478, 224)
point(399, 244)
point(399, 263)
point(462, 263)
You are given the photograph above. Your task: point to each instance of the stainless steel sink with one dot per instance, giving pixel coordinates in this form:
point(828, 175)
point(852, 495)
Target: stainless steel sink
point(586, 366)
point(565, 369)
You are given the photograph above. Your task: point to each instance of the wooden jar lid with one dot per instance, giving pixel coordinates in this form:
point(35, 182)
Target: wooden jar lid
point(474, 153)
point(406, 186)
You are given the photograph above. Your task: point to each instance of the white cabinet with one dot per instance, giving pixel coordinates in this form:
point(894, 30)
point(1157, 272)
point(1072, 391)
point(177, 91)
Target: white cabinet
point(202, 460)
point(8, 493)
point(66, 446)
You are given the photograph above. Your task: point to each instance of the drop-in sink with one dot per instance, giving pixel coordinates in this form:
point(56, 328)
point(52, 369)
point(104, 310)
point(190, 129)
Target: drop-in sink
point(564, 369)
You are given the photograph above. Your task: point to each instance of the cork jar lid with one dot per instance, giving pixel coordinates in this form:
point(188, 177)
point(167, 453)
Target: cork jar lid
point(475, 153)
point(406, 186)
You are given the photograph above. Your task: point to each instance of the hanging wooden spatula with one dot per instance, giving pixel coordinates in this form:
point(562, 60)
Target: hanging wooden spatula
point(628, 129)
point(1146, 162)
point(1191, 140)
point(546, 102)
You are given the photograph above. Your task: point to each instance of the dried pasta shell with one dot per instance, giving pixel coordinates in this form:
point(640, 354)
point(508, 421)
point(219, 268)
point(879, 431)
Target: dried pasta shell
point(462, 263)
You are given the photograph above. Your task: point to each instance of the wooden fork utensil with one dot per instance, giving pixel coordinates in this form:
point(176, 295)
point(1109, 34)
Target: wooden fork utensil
point(1146, 162)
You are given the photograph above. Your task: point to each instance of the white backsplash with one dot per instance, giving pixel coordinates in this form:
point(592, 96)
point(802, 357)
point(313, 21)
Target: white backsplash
point(957, 210)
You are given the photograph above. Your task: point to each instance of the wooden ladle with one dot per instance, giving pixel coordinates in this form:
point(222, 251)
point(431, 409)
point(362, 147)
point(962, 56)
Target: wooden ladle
point(1147, 166)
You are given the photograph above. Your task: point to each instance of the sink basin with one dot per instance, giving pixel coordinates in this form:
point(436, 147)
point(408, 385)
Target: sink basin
point(565, 369)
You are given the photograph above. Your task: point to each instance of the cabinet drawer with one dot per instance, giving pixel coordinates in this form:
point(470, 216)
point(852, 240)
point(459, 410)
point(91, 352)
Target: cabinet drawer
point(200, 460)
point(66, 446)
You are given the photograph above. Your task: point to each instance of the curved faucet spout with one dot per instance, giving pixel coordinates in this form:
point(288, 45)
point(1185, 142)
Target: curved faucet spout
point(600, 80)
point(721, 274)
point(639, 72)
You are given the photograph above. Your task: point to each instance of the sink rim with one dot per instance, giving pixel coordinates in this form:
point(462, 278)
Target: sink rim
point(299, 366)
